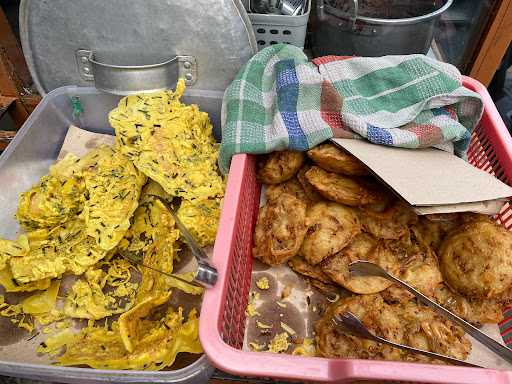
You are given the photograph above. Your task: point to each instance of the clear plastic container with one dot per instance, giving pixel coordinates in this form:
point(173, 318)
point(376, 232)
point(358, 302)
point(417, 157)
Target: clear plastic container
point(27, 158)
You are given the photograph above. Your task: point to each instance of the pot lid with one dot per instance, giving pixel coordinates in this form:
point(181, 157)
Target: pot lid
point(125, 46)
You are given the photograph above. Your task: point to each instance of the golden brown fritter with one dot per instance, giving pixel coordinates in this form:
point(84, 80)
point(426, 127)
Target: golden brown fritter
point(476, 261)
point(334, 159)
point(380, 319)
point(418, 267)
point(362, 247)
point(427, 330)
point(292, 187)
point(392, 223)
point(280, 166)
point(302, 267)
point(411, 324)
point(309, 190)
point(342, 189)
point(475, 311)
point(280, 229)
point(330, 227)
point(432, 229)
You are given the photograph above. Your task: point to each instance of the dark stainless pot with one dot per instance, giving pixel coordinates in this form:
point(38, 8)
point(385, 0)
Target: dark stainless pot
point(345, 32)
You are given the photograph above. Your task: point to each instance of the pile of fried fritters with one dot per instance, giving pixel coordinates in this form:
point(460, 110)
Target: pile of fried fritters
point(325, 210)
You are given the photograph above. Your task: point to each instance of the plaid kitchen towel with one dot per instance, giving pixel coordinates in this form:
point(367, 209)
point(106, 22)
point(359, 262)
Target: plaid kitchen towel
point(280, 101)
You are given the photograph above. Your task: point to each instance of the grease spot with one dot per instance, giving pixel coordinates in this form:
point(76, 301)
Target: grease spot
point(265, 294)
point(9, 333)
point(93, 143)
point(289, 315)
point(258, 266)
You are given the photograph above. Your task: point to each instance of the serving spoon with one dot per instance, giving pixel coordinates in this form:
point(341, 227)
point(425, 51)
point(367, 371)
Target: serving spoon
point(352, 325)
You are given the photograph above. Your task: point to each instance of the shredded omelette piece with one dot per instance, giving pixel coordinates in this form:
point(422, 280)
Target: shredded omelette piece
point(42, 301)
point(201, 218)
point(97, 296)
point(52, 201)
point(103, 348)
point(263, 283)
point(60, 195)
point(9, 284)
point(66, 248)
point(114, 186)
point(16, 315)
point(170, 142)
point(133, 325)
point(251, 305)
point(279, 344)
point(307, 348)
point(153, 237)
point(257, 347)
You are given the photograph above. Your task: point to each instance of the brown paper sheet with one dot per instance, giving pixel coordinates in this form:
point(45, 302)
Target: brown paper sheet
point(430, 177)
point(305, 305)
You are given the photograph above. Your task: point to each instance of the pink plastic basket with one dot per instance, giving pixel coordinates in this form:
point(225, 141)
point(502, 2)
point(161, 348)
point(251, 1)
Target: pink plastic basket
point(223, 312)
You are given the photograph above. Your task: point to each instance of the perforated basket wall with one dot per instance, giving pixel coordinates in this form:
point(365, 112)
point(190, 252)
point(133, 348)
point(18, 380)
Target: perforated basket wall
point(223, 312)
point(274, 29)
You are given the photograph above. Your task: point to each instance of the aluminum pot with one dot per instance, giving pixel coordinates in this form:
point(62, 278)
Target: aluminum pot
point(347, 32)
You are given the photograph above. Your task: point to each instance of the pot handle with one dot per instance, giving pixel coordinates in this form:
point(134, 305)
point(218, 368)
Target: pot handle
point(126, 80)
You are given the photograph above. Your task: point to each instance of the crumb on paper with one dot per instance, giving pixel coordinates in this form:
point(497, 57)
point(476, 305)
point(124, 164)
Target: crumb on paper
point(279, 343)
point(263, 283)
point(307, 348)
point(281, 304)
point(281, 315)
point(314, 308)
point(251, 305)
point(286, 292)
point(47, 330)
point(256, 347)
point(334, 299)
point(261, 325)
point(287, 328)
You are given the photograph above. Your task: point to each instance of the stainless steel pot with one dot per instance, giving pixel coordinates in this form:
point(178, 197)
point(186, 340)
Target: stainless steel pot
point(347, 32)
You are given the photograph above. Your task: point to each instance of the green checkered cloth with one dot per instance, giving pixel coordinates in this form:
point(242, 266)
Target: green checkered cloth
point(279, 100)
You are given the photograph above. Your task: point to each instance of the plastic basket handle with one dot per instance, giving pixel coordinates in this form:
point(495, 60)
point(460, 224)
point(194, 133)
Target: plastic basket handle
point(129, 79)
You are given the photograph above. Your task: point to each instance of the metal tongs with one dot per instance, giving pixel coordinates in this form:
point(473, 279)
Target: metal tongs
point(206, 275)
point(366, 268)
point(352, 325)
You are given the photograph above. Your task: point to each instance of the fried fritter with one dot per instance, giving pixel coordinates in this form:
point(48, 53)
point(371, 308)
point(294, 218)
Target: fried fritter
point(309, 190)
point(280, 229)
point(425, 329)
point(302, 267)
point(66, 248)
point(392, 223)
point(410, 324)
point(279, 166)
point(113, 185)
point(201, 218)
point(432, 229)
point(418, 267)
point(330, 227)
point(475, 311)
point(334, 159)
point(362, 247)
point(475, 259)
point(292, 187)
point(170, 142)
point(380, 319)
point(342, 189)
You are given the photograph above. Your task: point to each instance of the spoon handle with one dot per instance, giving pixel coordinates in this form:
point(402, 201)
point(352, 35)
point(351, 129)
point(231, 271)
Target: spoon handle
point(487, 341)
point(433, 355)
